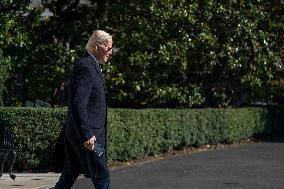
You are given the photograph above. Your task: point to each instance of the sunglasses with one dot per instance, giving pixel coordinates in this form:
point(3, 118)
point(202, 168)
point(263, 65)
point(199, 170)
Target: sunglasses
point(107, 49)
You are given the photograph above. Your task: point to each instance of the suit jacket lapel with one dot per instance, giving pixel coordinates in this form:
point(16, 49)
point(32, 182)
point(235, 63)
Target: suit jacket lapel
point(96, 64)
point(101, 75)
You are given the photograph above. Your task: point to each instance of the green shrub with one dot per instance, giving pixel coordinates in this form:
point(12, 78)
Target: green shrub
point(37, 130)
point(135, 133)
point(3, 75)
point(203, 53)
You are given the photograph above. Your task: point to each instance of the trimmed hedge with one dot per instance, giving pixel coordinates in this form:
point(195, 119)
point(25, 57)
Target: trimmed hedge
point(135, 133)
point(36, 130)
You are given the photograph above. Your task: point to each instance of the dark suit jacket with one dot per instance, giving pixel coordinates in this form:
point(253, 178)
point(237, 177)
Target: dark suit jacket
point(87, 115)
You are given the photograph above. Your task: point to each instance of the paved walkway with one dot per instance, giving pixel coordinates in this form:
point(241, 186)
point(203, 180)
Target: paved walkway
point(249, 166)
point(29, 181)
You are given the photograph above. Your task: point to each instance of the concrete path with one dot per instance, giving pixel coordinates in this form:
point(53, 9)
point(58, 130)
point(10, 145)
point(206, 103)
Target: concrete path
point(29, 181)
point(249, 166)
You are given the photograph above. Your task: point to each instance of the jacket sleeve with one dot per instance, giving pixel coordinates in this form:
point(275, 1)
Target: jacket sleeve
point(81, 89)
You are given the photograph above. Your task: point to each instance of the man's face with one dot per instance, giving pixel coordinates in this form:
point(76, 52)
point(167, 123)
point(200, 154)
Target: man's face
point(104, 51)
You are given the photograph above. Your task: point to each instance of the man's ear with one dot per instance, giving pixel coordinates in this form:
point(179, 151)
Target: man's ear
point(95, 48)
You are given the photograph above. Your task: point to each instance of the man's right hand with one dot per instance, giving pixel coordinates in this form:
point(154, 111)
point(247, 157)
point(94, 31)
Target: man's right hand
point(89, 144)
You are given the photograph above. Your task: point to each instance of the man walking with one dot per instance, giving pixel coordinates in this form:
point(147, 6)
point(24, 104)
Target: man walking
point(86, 127)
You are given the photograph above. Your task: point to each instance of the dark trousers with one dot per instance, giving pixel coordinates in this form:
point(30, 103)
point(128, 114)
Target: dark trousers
point(68, 178)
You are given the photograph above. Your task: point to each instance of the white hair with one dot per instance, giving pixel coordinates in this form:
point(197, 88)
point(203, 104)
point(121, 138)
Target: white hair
point(98, 37)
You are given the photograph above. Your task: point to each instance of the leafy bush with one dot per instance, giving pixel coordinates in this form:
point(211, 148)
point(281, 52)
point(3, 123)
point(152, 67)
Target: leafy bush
point(135, 133)
point(174, 53)
point(190, 53)
point(3, 75)
point(36, 130)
